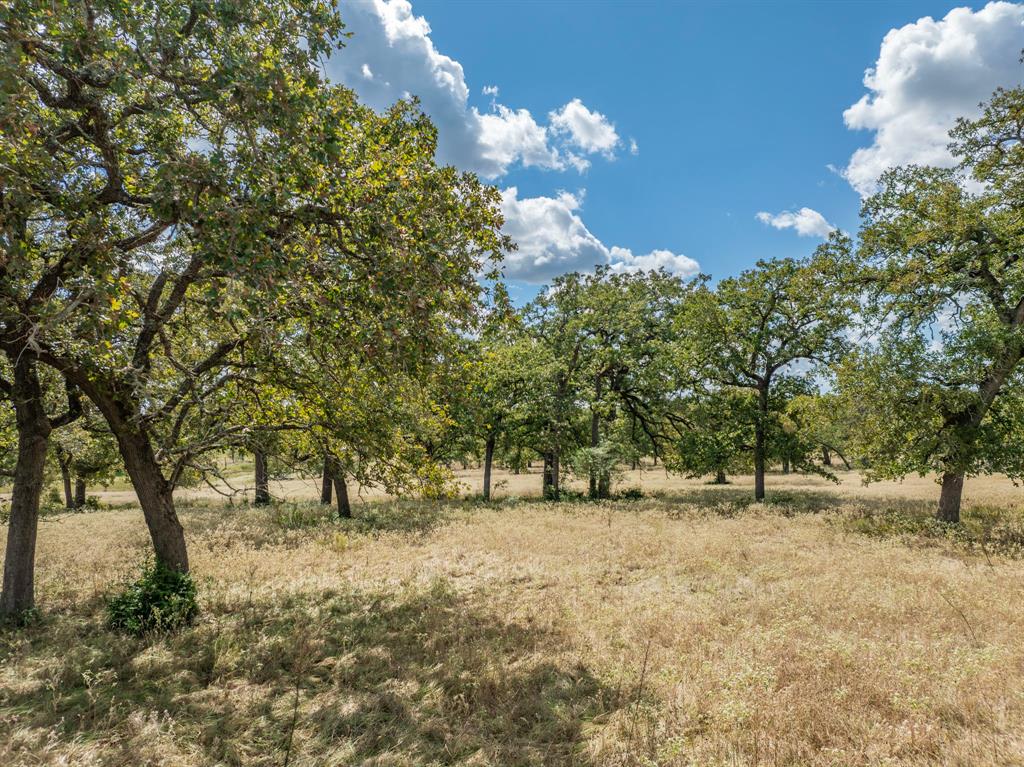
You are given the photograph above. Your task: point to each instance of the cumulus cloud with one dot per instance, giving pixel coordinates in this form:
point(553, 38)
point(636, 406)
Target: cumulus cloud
point(590, 131)
point(929, 73)
point(623, 260)
point(807, 222)
point(390, 55)
point(553, 239)
point(508, 136)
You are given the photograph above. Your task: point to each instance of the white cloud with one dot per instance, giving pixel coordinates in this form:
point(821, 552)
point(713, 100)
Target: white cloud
point(553, 239)
point(590, 131)
point(807, 222)
point(390, 55)
point(623, 260)
point(929, 73)
point(634, 148)
point(507, 136)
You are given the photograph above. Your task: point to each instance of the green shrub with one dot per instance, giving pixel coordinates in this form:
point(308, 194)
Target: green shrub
point(300, 516)
point(160, 600)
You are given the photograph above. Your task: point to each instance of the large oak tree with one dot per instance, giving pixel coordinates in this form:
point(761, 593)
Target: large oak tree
point(178, 182)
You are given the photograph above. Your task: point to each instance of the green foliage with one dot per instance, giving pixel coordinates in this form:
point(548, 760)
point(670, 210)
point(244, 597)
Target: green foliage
point(160, 600)
point(752, 343)
point(240, 245)
point(604, 459)
point(940, 389)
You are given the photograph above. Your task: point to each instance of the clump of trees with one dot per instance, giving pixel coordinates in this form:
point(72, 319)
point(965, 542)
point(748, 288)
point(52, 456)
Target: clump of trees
point(209, 248)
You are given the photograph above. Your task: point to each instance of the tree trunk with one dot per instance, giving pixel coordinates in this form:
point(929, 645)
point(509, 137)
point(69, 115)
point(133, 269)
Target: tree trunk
point(262, 495)
point(595, 438)
point(65, 475)
point(488, 460)
point(949, 498)
point(80, 493)
point(826, 457)
point(556, 491)
point(759, 443)
point(545, 474)
point(341, 491)
point(33, 435)
point(550, 474)
point(785, 464)
point(156, 496)
point(326, 483)
point(720, 477)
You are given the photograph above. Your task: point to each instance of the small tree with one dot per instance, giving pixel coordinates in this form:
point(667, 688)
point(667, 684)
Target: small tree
point(750, 330)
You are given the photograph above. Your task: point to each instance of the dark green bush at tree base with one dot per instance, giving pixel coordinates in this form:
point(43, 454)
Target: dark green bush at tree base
point(161, 599)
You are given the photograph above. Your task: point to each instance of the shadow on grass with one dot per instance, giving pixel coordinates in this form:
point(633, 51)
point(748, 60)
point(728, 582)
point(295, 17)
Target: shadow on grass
point(421, 676)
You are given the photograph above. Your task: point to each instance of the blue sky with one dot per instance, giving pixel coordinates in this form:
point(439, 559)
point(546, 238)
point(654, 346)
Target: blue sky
point(735, 110)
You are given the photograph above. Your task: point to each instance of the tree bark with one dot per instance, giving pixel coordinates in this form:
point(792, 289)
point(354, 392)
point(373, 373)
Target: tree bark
point(550, 474)
point(80, 488)
point(341, 491)
point(785, 464)
point(65, 475)
point(720, 477)
point(488, 460)
point(595, 438)
point(262, 495)
point(34, 429)
point(326, 483)
point(949, 498)
point(156, 496)
point(826, 457)
point(556, 491)
point(759, 443)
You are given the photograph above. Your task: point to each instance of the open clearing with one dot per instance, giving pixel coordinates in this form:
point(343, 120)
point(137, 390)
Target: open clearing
point(686, 628)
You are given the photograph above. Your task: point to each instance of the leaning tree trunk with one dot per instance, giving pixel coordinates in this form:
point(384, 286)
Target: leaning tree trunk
point(156, 496)
point(341, 491)
point(79, 493)
point(949, 498)
point(34, 429)
point(488, 461)
point(262, 495)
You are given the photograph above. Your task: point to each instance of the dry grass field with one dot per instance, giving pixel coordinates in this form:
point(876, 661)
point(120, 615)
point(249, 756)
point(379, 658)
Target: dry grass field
point(829, 626)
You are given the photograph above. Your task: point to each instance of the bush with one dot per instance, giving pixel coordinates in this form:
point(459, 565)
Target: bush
point(160, 600)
